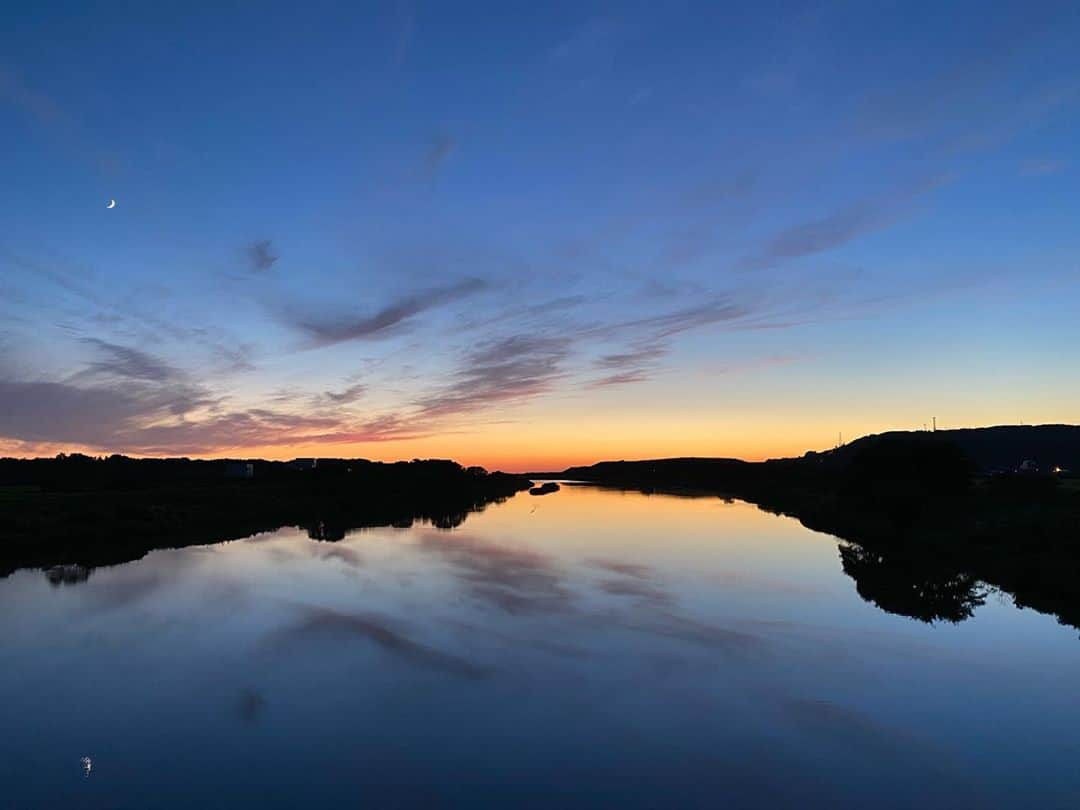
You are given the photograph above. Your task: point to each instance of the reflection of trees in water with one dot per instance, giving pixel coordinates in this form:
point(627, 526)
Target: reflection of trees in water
point(332, 528)
point(324, 530)
point(448, 521)
point(67, 574)
point(910, 585)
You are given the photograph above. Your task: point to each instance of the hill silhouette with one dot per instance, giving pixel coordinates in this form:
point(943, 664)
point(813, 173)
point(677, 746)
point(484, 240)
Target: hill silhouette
point(991, 449)
point(988, 450)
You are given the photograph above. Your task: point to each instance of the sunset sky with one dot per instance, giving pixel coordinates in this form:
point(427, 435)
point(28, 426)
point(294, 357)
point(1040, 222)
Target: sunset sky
point(531, 235)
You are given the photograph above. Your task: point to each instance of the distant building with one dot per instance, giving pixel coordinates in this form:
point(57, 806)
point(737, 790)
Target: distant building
point(240, 469)
point(304, 463)
point(1028, 467)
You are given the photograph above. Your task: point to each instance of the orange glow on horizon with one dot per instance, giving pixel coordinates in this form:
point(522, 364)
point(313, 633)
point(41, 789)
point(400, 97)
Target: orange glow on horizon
point(513, 448)
point(520, 456)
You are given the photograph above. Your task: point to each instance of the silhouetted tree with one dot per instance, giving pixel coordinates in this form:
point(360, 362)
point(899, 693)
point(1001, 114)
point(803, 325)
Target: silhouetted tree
point(909, 466)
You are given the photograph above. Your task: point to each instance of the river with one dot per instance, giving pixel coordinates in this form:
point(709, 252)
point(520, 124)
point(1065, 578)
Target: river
point(589, 648)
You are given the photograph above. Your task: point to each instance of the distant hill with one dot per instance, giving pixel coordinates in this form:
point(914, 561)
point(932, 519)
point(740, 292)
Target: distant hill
point(990, 449)
point(993, 449)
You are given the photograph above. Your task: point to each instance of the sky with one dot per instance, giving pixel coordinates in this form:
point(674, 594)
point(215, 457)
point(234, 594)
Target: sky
point(533, 235)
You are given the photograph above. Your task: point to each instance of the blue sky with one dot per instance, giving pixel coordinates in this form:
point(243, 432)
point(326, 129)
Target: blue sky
point(518, 234)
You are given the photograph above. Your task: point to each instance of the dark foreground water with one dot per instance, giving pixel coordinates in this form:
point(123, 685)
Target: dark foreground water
point(584, 649)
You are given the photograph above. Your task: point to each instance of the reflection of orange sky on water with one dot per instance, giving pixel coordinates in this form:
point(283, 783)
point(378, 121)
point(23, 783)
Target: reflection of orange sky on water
point(660, 530)
point(674, 538)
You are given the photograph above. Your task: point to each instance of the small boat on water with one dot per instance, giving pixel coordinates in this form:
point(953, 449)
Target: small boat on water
point(545, 488)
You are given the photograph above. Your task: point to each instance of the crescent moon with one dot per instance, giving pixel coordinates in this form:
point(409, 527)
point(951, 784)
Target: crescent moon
point(111, 204)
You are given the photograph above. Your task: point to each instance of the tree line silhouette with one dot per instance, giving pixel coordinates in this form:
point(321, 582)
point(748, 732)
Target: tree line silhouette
point(94, 511)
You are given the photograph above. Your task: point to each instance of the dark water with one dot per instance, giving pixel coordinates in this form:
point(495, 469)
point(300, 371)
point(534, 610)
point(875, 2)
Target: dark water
point(588, 648)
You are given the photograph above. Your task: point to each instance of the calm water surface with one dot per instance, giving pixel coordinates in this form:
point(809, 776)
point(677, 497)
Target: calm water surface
point(588, 648)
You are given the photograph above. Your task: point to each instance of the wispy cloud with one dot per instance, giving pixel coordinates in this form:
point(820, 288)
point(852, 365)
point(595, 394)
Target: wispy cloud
point(622, 378)
point(260, 427)
point(628, 367)
point(38, 105)
point(1041, 167)
point(350, 394)
point(503, 370)
point(819, 236)
point(386, 428)
point(261, 255)
point(838, 228)
point(135, 316)
point(48, 114)
point(725, 309)
point(961, 100)
point(325, 330)
point(96, 416)
point(521, 367)
point(127, 400)
point(590, 47)
point(631, 359)
point(437, 154)
point(123, 361)
point(406, 27)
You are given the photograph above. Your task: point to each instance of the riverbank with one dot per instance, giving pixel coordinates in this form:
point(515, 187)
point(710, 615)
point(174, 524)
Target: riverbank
point(921, 528)
point(97, 512)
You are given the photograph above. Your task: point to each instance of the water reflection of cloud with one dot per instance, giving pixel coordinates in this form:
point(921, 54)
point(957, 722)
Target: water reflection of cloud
point(286, 554)
point(851, 729)
point(825, 716)
point(226, 594)
point(521, 581)
point(634, 580)
point(655, 616)
point(123, 591)
point(123, 585)
point(848, 726)
point(512, 579)
point(324, 623)
point(672, 625)
point(556, 647)
point(350, 556)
